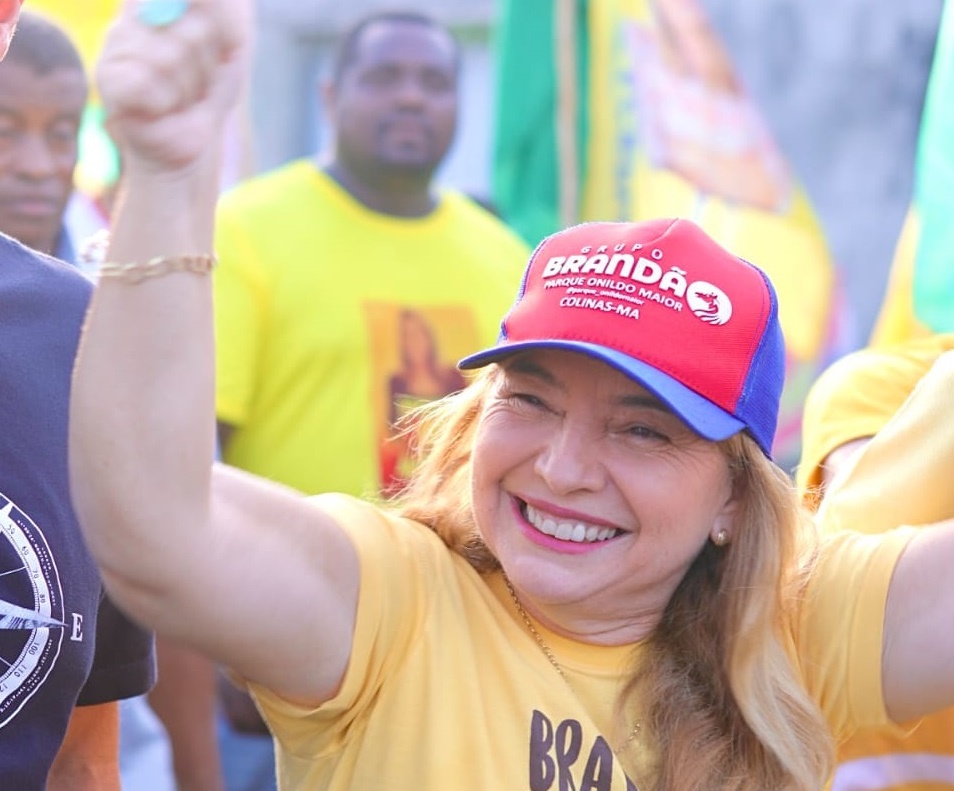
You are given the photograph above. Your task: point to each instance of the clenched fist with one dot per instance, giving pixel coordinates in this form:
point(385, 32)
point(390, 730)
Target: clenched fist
point(168, 89)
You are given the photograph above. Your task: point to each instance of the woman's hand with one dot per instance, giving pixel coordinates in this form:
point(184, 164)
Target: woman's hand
point(168, 90)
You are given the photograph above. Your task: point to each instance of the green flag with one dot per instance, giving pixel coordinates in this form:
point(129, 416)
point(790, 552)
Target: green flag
point(537, 42)
point(934, 190)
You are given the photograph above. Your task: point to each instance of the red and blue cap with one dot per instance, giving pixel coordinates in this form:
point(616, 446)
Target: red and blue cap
point(664, 304)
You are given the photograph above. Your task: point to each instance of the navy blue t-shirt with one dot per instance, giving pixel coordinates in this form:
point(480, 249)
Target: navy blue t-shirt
point(62, 643)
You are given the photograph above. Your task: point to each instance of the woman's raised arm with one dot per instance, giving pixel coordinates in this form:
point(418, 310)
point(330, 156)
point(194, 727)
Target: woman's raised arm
point(209, 559)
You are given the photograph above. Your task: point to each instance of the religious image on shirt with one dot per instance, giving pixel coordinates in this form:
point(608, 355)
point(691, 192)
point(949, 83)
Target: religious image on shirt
point(414, 354)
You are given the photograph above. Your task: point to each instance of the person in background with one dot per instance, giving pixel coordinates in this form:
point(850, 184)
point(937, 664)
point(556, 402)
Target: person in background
point(852, 402)
point(596, 576)
point(320, 259)
point(68, 654)
point(43, 93)
point(323, 261)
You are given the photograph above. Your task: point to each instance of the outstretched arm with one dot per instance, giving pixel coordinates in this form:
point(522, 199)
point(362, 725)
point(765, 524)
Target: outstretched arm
point(216, 561)
point(907, 471)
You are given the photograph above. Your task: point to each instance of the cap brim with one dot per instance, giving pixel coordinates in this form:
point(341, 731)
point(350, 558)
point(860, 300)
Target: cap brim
point(701, 415)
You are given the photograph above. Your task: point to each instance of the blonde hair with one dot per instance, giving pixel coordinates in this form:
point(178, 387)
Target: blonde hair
point(720, 691)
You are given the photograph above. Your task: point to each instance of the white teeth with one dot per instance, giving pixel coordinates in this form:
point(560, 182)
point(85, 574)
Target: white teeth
point(577, 532)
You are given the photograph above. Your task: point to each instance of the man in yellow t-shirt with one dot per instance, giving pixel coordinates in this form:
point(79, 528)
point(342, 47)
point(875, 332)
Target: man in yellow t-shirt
point(355, 273)
point(850, 403)
point(356, 270)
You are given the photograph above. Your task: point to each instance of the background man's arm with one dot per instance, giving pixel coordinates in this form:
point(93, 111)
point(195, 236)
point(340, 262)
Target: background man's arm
point(88, 759)
point(184, 698)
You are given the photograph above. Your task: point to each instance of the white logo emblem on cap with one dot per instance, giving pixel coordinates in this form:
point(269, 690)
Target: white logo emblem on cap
point(709, 303)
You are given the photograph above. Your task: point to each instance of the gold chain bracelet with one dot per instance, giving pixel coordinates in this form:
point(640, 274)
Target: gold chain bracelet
point(156, 267)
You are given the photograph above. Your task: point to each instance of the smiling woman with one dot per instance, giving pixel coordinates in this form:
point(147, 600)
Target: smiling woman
point(597, 578)
point(568, 448)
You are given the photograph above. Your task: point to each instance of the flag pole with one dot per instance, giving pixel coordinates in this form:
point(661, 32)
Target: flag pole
point(567, 110)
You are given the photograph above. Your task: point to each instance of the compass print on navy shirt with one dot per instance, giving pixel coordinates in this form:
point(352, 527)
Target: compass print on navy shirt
point(31, 610)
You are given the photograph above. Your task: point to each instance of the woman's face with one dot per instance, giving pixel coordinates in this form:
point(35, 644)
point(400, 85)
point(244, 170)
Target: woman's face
point(417, 342)
point(592, 494)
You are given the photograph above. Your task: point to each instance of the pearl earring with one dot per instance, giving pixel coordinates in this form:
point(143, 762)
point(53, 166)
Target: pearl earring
point(721, 538)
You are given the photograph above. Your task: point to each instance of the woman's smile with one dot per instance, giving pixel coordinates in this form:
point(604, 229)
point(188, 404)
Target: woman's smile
point(578, 461)
point(575, 531)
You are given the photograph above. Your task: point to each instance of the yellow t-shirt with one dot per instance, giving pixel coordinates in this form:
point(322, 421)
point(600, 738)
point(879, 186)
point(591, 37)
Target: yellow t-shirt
point(447, 689)
point(887, 484)
point(855, 397)
point(331, 320)
point(896, 321)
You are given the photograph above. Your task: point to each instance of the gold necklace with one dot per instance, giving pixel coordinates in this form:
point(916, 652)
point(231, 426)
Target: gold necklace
point(637, 727)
